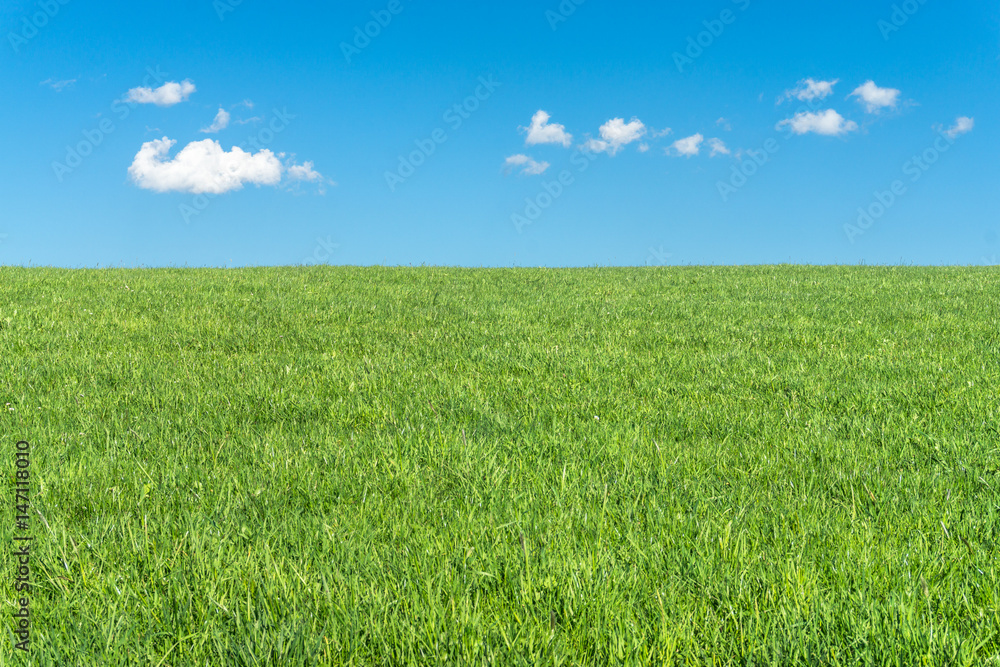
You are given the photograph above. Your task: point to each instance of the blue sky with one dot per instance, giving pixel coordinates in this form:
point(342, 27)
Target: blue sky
point(816, 132)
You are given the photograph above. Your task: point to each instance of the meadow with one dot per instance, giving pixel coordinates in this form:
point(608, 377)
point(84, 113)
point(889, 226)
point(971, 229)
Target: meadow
point(426, 466)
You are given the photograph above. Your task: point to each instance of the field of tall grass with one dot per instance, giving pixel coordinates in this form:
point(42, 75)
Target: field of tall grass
point(390, 466)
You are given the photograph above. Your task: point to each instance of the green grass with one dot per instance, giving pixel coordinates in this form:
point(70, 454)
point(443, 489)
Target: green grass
point(691, 466)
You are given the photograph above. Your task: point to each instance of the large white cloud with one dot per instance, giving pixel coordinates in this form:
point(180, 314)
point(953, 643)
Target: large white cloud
point(875, 98)
point(167, 95)
point(962, 125)
point(615, 134)
point(220, 123)
point(828, 123)
point(530, 166)
point(810, 89)
point(689, 146)
point(543, 132)
point(202, 167)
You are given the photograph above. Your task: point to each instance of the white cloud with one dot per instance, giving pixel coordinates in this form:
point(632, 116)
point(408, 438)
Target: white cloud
point(875, 98)
point(618, 133)
point(662, 133)
point(724, 124)
point(543, 132)
point(962, 125)
point(304, 172)
point(810, 89)
point(531, 167)
point(58, 86)
point(828, 123)
point(201, 167)
point(689, 146)
point(643, 147)
point(167, 95)
point(718, 147)
point(220, 123)
point(615, 134)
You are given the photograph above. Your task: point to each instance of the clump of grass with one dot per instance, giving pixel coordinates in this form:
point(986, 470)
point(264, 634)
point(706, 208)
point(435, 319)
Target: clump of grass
point(740, 466)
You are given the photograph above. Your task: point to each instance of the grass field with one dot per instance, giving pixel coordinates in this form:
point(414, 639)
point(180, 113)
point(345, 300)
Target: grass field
point(691, 466)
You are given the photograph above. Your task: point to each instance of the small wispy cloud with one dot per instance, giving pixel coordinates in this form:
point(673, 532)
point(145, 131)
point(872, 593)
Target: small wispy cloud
point(220, 123)
point(718, 147)
point(809, 90)
point(828, 123)
point(306, 173)
point(963, 125)
point(56, 85)
point(724, 124)
point(530, 167)
point(167, 95)
point(689, 146)
point(541, 131)
point(875, 98)
point(615, 134)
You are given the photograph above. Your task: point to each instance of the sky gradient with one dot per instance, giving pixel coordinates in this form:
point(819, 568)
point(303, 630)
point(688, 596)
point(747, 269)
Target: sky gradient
point(581, 133)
